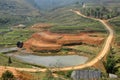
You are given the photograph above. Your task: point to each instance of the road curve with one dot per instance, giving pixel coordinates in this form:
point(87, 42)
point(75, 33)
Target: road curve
point(100, 56)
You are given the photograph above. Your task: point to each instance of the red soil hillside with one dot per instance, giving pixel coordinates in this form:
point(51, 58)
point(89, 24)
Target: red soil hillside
point(52, 41)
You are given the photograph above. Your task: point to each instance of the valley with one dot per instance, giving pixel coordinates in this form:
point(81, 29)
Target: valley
point(60, 38)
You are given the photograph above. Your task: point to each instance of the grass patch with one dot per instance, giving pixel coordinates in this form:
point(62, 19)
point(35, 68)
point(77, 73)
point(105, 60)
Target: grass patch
point(87, 49)
point(15, 62)
point(38, 75)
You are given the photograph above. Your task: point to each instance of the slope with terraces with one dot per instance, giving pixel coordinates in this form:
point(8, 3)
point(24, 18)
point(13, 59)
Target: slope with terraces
point(54, 42)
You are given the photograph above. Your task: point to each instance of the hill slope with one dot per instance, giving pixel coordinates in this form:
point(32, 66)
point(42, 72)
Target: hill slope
point(18, 7)
point(14, 12)
point(50, 4)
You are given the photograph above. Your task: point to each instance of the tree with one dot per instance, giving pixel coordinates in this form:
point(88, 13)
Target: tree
point(110, 64)
point(7, 75)
point(9, 61)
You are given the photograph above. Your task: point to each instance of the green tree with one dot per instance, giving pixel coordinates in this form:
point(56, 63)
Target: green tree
point(7, 75)
point(110, 64)
point(9, 61)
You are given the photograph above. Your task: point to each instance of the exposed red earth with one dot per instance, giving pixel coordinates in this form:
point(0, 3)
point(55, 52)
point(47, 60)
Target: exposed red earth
point(53, 41)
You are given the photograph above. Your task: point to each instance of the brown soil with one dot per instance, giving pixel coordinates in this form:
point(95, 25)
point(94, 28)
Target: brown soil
point(53, 41)
point(41, 26)
point(19, 75)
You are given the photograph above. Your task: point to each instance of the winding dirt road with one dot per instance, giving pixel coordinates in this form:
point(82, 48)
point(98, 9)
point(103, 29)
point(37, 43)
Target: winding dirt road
point(99, 57)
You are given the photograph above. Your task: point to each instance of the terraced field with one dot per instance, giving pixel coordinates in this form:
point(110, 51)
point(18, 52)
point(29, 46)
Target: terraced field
point(68, 22)
point(12, 37)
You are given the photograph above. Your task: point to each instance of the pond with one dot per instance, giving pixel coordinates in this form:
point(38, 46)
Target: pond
point(51, 61)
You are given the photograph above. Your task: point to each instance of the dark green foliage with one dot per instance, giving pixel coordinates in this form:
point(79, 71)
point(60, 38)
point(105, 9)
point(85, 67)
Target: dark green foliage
point(111, 62)
point(7, 75)
point(101, 12)
point(9, 61)
point(116, 26)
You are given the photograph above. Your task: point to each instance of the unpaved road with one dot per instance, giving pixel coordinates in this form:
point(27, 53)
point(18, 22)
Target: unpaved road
point(100, 55)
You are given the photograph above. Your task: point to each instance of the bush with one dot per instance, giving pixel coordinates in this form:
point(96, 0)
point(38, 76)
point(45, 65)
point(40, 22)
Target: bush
point(7, 75)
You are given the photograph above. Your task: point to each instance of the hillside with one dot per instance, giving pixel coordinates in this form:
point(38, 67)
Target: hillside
point(51, 4)
point(66, 21)
point(18, 7)
point(15, 12)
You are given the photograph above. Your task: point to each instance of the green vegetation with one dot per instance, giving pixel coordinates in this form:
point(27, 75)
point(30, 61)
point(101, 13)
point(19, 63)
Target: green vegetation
point(88, 49)
point(9, 61)
point(69, 22)
point(38, 75)
point(110, 63)
point(115, 22)
point(7, 75)
point(16, 7)
point(12, 20)
point(12, 37)
point(65, 74)
point(15, 12)
point(101, 12)
point(15, 62)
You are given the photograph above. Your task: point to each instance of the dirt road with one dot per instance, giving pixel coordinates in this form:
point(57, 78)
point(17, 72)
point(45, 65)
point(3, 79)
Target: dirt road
point(100, 55)
point(103, 52)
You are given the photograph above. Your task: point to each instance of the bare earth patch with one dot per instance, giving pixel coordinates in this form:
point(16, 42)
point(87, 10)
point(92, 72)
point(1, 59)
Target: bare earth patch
point(41, 26)
point(52, 41)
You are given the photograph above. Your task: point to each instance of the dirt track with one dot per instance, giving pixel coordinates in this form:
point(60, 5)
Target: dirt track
point(100, 56)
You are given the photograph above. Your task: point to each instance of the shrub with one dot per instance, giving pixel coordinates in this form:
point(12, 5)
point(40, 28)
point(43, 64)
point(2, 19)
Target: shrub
point(7, 75)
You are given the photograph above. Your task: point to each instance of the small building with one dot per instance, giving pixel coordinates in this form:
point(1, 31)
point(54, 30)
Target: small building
point(86, 75)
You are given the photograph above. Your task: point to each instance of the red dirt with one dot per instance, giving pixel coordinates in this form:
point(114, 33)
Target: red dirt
point(52, 41)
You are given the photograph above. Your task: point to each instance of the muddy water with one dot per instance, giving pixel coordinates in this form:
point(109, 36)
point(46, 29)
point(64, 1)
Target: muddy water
point(52, 61)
